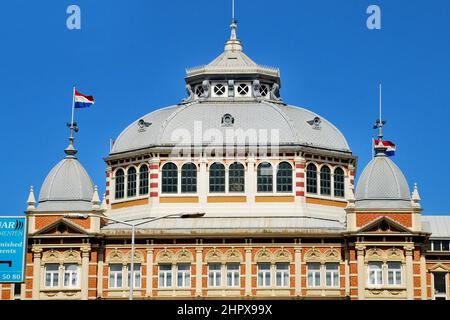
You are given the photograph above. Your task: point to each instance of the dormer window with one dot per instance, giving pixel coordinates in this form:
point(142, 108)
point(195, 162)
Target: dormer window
point(199, 91)
point(219, 89)
point(242, 89)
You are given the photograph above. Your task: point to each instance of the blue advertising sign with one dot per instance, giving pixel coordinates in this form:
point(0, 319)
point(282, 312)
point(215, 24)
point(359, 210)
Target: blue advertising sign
point(13, 234)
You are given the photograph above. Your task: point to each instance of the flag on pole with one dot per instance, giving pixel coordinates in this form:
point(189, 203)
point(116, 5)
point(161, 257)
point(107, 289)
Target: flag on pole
point(390, 151)
point(82, 101)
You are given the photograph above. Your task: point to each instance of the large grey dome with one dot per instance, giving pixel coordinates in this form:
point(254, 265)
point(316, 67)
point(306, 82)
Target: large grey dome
point(67, 187)
point(382, 185)
point(165, 127)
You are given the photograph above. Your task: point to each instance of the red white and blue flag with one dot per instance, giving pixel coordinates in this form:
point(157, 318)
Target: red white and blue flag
point(390, 151)
point(82, 101)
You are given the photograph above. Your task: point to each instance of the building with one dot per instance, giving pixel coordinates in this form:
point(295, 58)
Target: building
point(269, 192)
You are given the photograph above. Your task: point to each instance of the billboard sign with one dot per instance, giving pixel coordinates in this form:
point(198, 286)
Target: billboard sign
point(13, 234)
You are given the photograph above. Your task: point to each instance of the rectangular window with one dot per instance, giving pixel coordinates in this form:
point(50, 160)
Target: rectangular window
point(282, 275)
point(115, 276)
point(263, 274)
point(313, 274)
point(375, 274)
point(214, 275)
point(332, 275)
point(165, 276)
point(184, 275)
point(233, 275)
point(445, 245)
point(436, 245)
point(137, 275)
point(51, 275)
point(394, 273)
point(71, 275)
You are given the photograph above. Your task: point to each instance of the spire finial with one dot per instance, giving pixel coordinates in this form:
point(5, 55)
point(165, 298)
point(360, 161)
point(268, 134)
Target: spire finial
point(380, 148)
point(233, 44)
point(415, 197)
point(70, 150)
point(104, 206)
point(95, 199)
point(31, 201)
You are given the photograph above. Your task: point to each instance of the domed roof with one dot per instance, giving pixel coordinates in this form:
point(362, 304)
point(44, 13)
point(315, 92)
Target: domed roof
point(67, 186)
point(382, 185)
point(202, 123)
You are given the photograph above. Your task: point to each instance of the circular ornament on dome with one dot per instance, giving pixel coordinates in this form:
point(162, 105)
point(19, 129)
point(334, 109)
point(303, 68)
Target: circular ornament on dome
point(227, 120)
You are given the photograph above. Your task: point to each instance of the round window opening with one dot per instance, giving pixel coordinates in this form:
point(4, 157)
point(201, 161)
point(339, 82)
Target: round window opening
point(199, 91)
point(242, 89)
point(219, 89)
point(264, 90)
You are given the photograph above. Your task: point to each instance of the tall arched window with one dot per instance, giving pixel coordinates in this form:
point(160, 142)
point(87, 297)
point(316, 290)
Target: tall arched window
point(284, 177)
point(143, 180)
point(169, 178)
point(236, 177)
point(325, 181)
point(120, 184)
point(311, 178)
point(265, 177)
point(188, 178)
point(217, 177)
point(339, 182)
point(131, 182)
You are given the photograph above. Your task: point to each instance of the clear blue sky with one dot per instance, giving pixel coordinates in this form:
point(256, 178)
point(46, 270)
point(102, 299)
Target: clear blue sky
point(131, 56)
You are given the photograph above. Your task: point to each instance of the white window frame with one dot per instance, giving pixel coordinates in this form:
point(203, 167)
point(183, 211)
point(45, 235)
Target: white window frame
point(313, 276)
point(185, 275)
point(214, 275)
point(54, 275)
point(332, 274)
point(114, 284)
point(137, 275)
point(165, 276)
point(395, 272)
point(378, 279)
point(264, 275)
point(71, 275)
point(282, 274)
point(234, 275)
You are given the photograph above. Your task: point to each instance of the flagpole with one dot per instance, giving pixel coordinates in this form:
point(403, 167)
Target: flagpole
point(380, 100)
point(73, 105)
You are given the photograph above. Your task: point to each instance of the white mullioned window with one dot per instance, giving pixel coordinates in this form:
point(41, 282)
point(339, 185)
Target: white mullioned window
point(375, 274)
point(183, 275)
point(51, 275)
point(332, 275)
point(214, 275)
point(282, 275)
point(313, 274)
point(394, 273)
point(71, 277)
point(136, 273)
point(165, 276)
point(264, 275)
point(115, 276)
point(233, 275)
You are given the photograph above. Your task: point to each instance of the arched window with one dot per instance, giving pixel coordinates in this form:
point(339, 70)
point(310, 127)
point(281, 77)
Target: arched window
point(169, 178)
point(217, 177)
point(131, 182)
point(188, 178)
point(264, 177)
point(120, 184)
point(143, 180)
point(325, 181)
point(284, 177)
point(339, 183)
point(236, 177)
point(311, 178)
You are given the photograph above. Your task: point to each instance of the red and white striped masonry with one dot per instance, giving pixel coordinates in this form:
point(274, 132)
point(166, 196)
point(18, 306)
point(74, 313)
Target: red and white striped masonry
point(299, 178)
point(154, 178)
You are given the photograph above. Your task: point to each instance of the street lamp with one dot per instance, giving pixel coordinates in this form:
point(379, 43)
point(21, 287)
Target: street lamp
point(133, 232)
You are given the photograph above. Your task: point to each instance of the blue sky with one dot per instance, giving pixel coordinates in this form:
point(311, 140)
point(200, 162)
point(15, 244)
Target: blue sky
point(131, 55)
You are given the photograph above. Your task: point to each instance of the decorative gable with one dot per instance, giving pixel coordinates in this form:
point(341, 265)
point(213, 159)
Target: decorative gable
point(61, 227)
point(384, 225)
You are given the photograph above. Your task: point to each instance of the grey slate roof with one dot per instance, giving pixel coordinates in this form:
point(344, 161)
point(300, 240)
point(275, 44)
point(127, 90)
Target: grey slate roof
point(382, 185)
point(232, 225)
point(66, 187)
point(438, 226)
point(170, 124)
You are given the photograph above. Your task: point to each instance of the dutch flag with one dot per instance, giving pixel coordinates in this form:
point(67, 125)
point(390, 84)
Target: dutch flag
point(390, 151)
point(82, 101)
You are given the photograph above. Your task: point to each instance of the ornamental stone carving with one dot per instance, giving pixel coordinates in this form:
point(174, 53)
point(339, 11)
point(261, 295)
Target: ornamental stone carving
point(214, 255)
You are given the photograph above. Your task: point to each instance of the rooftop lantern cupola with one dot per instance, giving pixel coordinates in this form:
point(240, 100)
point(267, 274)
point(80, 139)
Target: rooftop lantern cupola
point(233, 76)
